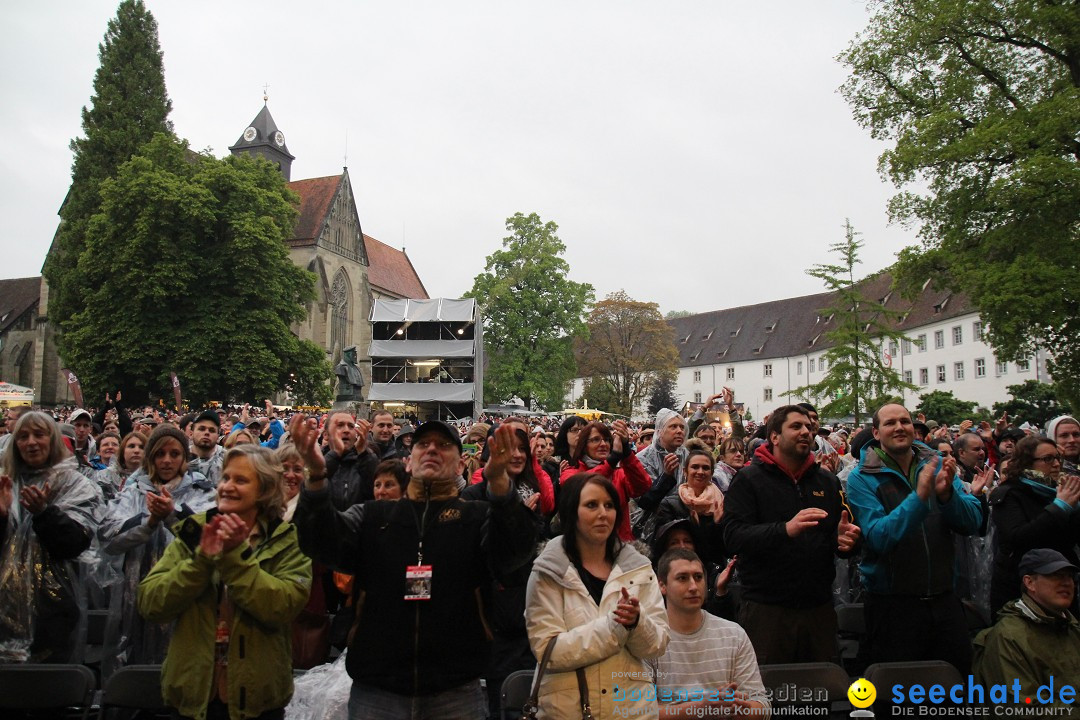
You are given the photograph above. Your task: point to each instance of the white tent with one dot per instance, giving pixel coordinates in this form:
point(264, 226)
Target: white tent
point(11, 395)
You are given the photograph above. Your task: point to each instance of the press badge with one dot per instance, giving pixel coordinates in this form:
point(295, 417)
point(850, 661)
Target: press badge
point(418, 582)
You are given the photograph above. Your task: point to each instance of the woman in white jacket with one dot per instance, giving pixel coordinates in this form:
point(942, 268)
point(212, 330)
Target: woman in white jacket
point(600, 598)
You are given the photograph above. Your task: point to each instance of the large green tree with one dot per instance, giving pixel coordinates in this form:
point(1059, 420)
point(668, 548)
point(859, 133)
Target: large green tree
point(1032, 401)
point(629, 348)
point(128, 107)
point(186, 269)
point(857, 376)
point(946, 408)
point(980, 100)
point(531, 310)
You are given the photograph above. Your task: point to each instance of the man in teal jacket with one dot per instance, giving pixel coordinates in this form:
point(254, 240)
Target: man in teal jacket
point(910, 505)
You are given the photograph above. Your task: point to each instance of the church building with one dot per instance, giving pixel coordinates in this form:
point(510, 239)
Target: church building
point(352, 270)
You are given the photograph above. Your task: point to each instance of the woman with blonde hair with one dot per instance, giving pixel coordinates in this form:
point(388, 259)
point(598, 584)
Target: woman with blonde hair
point(48, 512)
point(233, 580)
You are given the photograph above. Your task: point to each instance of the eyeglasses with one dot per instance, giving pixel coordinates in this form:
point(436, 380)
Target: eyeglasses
point(1049, 459)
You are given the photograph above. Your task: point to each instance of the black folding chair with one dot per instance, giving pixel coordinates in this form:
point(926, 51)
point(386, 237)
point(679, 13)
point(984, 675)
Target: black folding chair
point(925, 673)
point(135, 687)
point(514, 693)
point(821, 685)
point(32, 687)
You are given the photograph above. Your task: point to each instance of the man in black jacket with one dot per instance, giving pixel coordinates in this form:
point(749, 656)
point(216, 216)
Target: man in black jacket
point(350, 464)
point(785, 518)
point(421, 643)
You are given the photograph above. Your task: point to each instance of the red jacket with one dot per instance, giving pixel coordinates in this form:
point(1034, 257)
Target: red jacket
point(629, 479)
point(547, 490)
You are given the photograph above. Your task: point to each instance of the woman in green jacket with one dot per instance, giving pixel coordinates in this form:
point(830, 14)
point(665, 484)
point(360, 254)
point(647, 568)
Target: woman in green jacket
point(233, 580)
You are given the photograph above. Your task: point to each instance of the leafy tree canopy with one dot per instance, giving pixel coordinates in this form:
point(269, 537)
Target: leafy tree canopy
point(857, 377)
point(629, 347)
point(944, 407)
point(186, 269)
point(128, 107)
point(1032, 401)
point(981, 102)
point(531, 310)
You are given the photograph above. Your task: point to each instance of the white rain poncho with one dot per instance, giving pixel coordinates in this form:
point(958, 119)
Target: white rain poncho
point(125, 533)
point(43, 563)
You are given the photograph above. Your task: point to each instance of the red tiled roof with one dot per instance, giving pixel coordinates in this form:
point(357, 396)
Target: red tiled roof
point(391, 270)
point(17, 296)
point(316, 194)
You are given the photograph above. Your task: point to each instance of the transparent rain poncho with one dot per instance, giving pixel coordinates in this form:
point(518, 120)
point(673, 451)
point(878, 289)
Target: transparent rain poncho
point(42, 592)
point(124, 533)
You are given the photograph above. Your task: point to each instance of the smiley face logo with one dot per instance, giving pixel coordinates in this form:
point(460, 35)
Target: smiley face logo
point(862, 693)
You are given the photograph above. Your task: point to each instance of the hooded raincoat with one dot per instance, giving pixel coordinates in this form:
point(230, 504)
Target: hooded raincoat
point(126, 532)
point(42, 592)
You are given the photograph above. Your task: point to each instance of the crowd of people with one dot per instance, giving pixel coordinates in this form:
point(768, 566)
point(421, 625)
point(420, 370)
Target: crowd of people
point(651, 568)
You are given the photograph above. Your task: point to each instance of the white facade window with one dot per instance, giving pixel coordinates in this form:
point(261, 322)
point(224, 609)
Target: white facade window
point(907, 347)
point(892, 348)
point(941, 373)
point(924, 376)
point(798, 367)
point(731, 373)
point(823, 364)
point(980, 367)
point(1023, 365)
point(767, 396)
point(1001, 367)
point(907, 376)
point(939, 339)
point(697, 378)
point(768, 369)
point(812, 361)
point(697, 397)
point(920, 342)
point(957, 335)
point(958, 371)
point(977, 331)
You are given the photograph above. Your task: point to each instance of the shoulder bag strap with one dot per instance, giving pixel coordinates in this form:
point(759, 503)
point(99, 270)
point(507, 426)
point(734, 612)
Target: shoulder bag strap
point(583, 692)
point(533, 705)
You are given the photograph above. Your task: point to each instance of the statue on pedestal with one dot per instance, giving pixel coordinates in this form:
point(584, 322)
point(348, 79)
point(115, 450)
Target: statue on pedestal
point(350, 383)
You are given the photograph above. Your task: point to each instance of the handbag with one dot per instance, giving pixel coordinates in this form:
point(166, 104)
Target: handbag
point(531, 707)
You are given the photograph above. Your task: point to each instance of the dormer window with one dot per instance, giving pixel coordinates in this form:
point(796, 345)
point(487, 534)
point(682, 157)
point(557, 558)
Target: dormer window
point(685, 340)
point(706, 337)
point(769, 328)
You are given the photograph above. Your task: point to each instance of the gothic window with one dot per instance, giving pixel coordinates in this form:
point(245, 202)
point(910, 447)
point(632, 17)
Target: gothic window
point(340, 304)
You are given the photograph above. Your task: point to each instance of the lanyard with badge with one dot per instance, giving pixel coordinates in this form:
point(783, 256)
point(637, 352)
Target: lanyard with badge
point(418, 576)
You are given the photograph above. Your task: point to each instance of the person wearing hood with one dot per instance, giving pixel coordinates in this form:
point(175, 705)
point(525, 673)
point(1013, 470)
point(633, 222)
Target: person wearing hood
point(138, 526)
point(403, 441)
point(911, 506)
point(1065, 431)
point(48, 512)
point(206, 454)
point(664, 458)
point(1036, 641)
point(785, 517)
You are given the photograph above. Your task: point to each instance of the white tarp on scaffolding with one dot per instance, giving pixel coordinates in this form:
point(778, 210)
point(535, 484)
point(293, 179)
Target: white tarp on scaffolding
point(422, 392)
point(420, 349)
point(434, 310)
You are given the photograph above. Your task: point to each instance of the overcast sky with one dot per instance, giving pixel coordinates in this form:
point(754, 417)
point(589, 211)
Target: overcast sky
point(696, 154)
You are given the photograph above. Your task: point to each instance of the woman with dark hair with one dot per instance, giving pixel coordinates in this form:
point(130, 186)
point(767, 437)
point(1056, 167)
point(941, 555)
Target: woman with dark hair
point(233, 580)
point(698, 500)
point(598, 599)
point(525, 472)
point(138, 527)
point(1035, 506)
point(608, 452)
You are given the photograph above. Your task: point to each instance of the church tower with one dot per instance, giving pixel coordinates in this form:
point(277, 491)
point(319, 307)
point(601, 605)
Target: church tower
point(263, 138)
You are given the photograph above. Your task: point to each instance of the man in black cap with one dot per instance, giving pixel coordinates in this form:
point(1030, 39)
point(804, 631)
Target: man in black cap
point(420, 644)
point(1036, 639)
